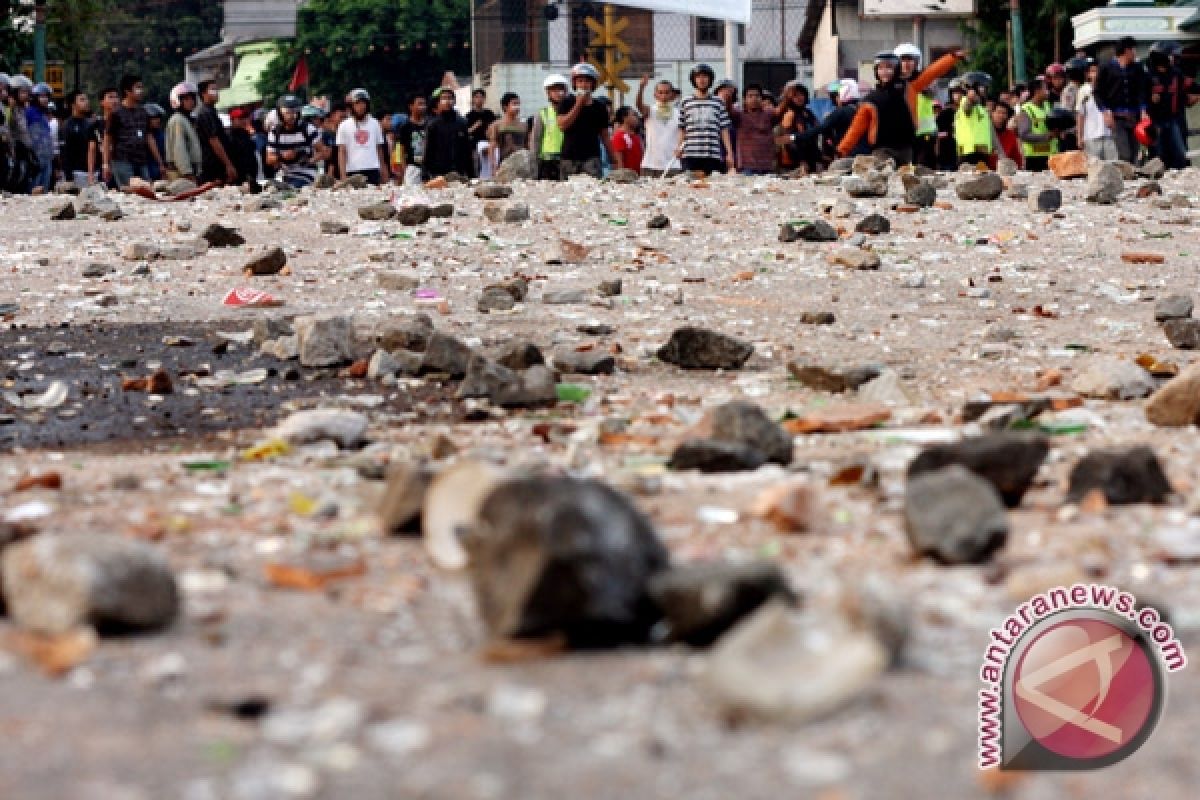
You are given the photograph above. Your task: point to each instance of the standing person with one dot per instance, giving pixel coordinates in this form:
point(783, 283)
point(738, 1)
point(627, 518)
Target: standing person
point(626, 141)
point(408, 158)
point(184, 156)
point(25, 161)
point(508, 134)
point(1170, 94)
point(1006, 136)
point(41, 132)
point(1097, 138)
point(329, 129)
point(883, 117)
point(799, 123)
point(924, 115)
point(156, 114)
point(1056, 82)
point(705, 125)
point(662, 127)
point(243, 151)
point(1120, 94)
point(583, 119)
point(973, 131)
point(479, 119)
point(755, 134)
point(80, 141)
point(361, 147)
point(1038, 143)
point(294, 146)
point(128, 147)
point(727, 93)
point(6, 145)
point(448, 140)
point(546, 139)
point(214, 140)
point(1069, 100)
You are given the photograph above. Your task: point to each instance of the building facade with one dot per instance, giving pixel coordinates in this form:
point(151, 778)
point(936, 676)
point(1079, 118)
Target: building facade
point(246, 47)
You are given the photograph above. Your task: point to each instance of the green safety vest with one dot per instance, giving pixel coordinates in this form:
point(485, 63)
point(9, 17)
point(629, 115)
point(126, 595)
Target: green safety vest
point(973, 132)
point(926, 118)
point(1037, 119)
point(552, 135)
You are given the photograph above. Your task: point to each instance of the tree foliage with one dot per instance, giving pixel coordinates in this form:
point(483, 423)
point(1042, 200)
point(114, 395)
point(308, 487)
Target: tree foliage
point(989, 30)
point(392, 48)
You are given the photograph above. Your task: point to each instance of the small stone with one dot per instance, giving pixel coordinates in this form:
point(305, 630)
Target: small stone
point(623, 176)
point(855, 258)
point(377, 212)
point(817, 318)
point(874, 224)
point(495, 299)
point(1105, 182)
point(1046, 201)
point(493, 191)
point(403, 498)
point(269, 263)
point(1132, 475)
point(345, 428)
point(382, 364)
point(266, 328)
point(954, 515)
point(559, 555)
point(63, 212)
point(531, 388)
point(519, 356)
point(521, 165)
point(1113, 379)
point(1006, 167)
point(351, 182)
point(788, 233)
point(444, 353)
point(333, 228)
point(712, 456)
point(501, 213)
point(518, 287)
point(139, 251)
point(1149, 189)
point(702, 601)
point(914, 281)
point(872, 184)
point(700, 348)
point(1183, 333)
point(742, 422)
point(922, 195)
point(659, 222)
point(263, 202)
point(405, 334)
point(96, 270)
point(56, 582)
point(611, 288)
point(1177, 403)
point(816, 231)
point(980, 186)
point(325, 340)
point(396, 281)
point(1008, 461)
point(588, 362)
point(1071, 164)
point(833, 379)
point(220, 236)
point(415, 214)
point(565, 297)
point(1153, 170)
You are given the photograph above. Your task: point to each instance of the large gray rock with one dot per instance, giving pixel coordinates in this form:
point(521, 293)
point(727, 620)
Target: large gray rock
point(1176, 306)
point(344, 428)
point(742, 422)
point(444, 353)
point(954, 516)
point(979, 186)
point(326, 340)
point(922, 194)
point(1131, 475)
point(1105, 182)
point(1008, 461)
point(558, 555)
point(1109, 378)
point(520, 166)
point(872, 184)
point(699, 348)
point(410, 333)
point(699, 602)
point(1183, 333)
point(56, 582)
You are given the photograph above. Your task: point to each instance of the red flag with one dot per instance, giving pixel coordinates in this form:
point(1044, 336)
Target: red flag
point(300, 76)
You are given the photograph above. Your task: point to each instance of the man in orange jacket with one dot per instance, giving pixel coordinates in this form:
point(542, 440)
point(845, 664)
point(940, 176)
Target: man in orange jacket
point(886, 116)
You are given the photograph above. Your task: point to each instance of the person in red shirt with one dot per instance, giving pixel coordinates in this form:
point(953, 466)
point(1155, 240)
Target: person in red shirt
point(1010, 143)
point(627, 144)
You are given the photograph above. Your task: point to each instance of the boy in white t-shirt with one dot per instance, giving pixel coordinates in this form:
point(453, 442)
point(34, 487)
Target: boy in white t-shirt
point(362, 150)
point(661, 123)
point(1096, 137)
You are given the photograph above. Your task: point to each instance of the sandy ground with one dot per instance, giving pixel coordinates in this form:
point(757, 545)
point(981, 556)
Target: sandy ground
point(376, 687)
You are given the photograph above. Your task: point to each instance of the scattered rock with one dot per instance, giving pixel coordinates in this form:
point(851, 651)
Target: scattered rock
point(1177, 404)
point(403, 498)
point(700, 348)
point(1127, 476)
point(63, 212)
point(345, 428)
point(447, 354)
point(742, 422)
point(954, 515)
point(382, 365)
point(1046, 201)
point(980, 186)
point(1183, 333)
point(493, 191)
point(1149, 189)
point(1113, 379)
point(623, 176)
point(1176, 306)
point(1008, 461)
point(495, 299)
point(263, 202)
point(140, 251)
point(325, 340)
point(700, 602)
point(351, 182)
point(1105, 183)
point(609, 288)
point(500, 213)
point(816, 231)
point(451, 505)
point(1072, 164)
point(519, 355)
point(833, 379)
point(1153, 170)
point(413, 214)
point(220, 236)
point(406, 334)
point(557, 555)
point(1006, 167)
point(659, 222)
point(377, 212)
point(712, 456)
point(587, 362)
point(521, 165)
point(817, 318)
point(334, 228)
point(874, 224)
point(872, 184)
point(442, 210)
point(54, 583)
point(565, 297)
point(395, 281)
point(855, 258)
point(922, 194)
point(269, 263)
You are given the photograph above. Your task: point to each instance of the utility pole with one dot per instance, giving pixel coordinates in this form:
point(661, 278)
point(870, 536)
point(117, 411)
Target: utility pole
point(39, 41)
point(1018, 41)
point(732, 57)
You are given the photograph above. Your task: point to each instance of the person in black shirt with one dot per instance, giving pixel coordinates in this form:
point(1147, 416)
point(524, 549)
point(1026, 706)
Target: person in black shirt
point(408, 157)
point(584, 122)
point(81, 141)
point(128, 145)
point(479, 119)
point(1170, 94)
point(947, 147)
point(448, 140)
point(1120, 95)
point(214, 141)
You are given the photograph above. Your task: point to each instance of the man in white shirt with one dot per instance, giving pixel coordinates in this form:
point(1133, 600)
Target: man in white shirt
point(1097, 137)
point(362, 150)
point(661, 124)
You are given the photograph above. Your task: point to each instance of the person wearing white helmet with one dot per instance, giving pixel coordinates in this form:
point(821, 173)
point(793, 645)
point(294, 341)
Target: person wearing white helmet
point(362, 150)
point(546, 139)
point(661, 122)
point(183, 153)
point(583, 120)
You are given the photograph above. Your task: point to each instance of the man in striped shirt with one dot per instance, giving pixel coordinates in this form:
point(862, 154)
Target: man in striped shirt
point(294, 146)
point(705, 123)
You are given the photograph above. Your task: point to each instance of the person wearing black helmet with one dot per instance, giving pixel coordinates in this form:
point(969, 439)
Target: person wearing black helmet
point(974, 133)
point(294, 146)
point(157, 117)
point(727, 93)
point(947, 148)
point(704, 124)
point(583, 119)
point(1038, 141)
point(883, 116)
point(1121, 96)
point(1170, 95)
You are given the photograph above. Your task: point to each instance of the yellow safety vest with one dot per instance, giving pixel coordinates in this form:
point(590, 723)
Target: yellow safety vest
point(973, 132)
point(926, 118)
point(1037, 120)
point(552, 135)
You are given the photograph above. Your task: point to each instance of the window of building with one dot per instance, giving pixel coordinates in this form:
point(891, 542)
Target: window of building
point(711, 32)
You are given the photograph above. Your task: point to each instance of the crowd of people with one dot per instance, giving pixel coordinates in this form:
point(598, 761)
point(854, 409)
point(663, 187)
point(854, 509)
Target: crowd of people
point(915, 114)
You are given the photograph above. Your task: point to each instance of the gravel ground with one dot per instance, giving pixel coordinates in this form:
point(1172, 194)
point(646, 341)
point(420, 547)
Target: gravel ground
point(381, 684)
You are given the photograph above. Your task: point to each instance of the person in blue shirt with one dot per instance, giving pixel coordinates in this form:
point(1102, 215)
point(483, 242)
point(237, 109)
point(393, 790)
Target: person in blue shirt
point(37, 118)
